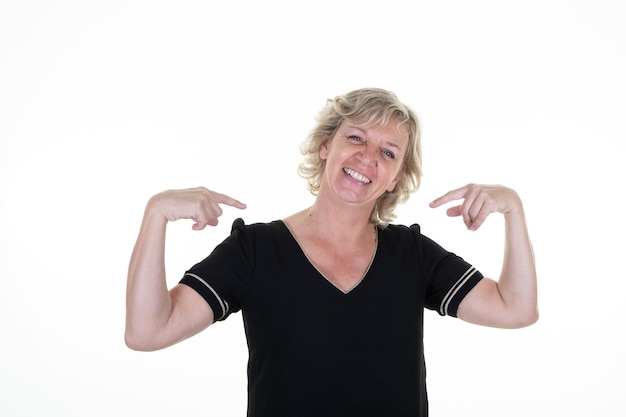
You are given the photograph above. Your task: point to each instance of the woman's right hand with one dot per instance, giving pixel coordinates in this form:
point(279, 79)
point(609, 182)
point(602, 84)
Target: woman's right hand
point(198, 204)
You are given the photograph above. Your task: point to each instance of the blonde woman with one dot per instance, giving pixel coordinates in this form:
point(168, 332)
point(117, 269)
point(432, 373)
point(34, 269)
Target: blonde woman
point(333, 296)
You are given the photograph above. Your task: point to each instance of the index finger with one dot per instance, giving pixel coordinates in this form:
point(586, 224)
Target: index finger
point(457, 194)
point(229, 201)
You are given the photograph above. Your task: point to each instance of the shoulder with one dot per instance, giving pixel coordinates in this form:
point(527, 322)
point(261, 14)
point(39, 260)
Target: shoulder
point(400, 228)
point(240, 225)
point(259, 233)
point(400, 238)
point(400, 232)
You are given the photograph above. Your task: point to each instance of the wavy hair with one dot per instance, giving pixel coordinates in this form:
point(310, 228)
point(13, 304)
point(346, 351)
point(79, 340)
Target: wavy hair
point(373, 108)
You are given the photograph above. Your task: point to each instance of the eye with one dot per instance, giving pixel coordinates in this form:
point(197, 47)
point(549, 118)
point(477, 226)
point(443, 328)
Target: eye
point(355, 139)
point(388, 154)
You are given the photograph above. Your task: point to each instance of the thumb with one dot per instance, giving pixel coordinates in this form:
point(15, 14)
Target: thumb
point(454, 211)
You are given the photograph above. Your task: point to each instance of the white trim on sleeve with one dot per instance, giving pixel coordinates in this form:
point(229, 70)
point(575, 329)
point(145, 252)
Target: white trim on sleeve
point(223, 303)
point(445, 303)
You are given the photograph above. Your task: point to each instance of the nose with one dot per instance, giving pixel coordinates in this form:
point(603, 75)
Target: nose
point(368, 154)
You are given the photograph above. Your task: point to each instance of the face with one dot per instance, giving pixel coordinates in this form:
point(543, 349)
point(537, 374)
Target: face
point(362, 163)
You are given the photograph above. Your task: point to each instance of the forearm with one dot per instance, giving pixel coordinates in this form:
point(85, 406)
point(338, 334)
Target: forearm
point(148, 301)
point(518, 279)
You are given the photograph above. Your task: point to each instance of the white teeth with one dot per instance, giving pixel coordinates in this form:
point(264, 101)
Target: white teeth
point(357, 176)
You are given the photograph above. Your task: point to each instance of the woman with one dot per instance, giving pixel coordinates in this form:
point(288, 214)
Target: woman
point(332, 297)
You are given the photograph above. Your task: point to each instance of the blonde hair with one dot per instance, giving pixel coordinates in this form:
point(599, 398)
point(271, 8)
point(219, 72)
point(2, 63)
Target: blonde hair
point(374, 108)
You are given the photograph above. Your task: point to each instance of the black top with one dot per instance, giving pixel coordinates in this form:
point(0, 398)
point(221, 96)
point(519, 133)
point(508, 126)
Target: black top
point(317, 351)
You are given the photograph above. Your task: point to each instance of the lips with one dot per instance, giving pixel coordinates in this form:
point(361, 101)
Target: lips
point(359, 177)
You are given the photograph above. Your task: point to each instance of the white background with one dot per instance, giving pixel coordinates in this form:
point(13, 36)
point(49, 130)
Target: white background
point(103, 104)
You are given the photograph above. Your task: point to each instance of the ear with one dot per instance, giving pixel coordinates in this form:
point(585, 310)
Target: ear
point(394, 182)
point(324, 150)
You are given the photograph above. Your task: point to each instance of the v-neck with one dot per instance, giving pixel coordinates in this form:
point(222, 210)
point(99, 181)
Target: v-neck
point(312, 264)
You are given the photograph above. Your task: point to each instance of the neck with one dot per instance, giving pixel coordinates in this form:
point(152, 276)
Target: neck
point(342, 222)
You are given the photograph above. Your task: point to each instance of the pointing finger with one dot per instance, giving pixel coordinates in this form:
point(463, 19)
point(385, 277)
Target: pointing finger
point(457, 194)
point(229, 201)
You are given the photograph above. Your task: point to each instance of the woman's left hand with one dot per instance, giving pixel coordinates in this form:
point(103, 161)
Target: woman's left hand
point(479, 201)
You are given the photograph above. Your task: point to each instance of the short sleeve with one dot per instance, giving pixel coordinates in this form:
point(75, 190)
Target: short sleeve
point(223, 277)
point(450, 278)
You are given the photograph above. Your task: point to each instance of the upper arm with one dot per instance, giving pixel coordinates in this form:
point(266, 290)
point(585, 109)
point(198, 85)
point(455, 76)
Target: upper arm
point(484, 305)
point(189, 315)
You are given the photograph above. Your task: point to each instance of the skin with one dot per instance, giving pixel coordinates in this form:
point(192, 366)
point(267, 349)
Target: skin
point(155, 317)
point(361, 164)
point(335, 232)
point(510, 302)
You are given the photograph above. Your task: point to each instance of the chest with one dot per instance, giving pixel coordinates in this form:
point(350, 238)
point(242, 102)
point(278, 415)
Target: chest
point(345, 351)
point(304, 296)
point(345, 268)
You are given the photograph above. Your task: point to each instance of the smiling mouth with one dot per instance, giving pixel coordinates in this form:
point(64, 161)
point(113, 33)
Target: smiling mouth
point(360, 178)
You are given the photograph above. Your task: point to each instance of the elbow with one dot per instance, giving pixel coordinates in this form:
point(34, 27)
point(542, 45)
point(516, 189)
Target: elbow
point(139, 342)
point(533, 318)
point(526, 319)
point(134, 343)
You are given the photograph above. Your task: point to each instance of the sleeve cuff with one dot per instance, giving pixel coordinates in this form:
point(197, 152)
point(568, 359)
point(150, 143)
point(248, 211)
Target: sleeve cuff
point(467, 281)
point(218, 304)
